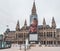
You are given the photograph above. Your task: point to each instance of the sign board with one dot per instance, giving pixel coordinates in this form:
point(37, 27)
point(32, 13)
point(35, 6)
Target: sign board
point(33, 37)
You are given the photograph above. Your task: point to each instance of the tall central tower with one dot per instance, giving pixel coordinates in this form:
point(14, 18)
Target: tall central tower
point(33, 20)
point(33, 36)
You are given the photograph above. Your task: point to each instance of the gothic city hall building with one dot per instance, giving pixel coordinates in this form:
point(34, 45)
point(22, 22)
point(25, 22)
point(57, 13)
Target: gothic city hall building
point(43, 34)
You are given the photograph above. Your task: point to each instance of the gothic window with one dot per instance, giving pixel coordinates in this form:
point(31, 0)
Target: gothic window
point(44, 42)
point(57, 35)
point(54, 42)
point(54, 34)
point(58, 42)
point(41, 34)
point(20, 36)
point(47, 42)
point(44, 34)
point(49, 34)
point(51, 42)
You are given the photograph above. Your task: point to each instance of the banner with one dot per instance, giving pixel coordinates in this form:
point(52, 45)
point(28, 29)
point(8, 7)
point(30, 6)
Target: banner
point(33, 26)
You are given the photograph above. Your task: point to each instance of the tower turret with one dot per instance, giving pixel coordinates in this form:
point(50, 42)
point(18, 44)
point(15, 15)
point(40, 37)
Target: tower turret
point(18, 26)
point(53, 23)
point(33, 29)
point(44, 23)
point(33, 19)
point(25, 24)
point(34, 8)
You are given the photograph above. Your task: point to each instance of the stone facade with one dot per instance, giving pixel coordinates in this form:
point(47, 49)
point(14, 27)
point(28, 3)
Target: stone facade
point(47, 35)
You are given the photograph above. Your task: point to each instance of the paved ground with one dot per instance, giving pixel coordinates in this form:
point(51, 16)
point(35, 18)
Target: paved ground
point(36, 48)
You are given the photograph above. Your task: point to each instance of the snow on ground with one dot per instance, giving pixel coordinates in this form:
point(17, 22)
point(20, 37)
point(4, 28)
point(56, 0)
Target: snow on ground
point(16, 47)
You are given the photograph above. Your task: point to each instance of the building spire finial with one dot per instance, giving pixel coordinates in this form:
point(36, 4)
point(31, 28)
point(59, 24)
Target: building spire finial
point(53, 23)
point(34, 8)
point(44, 23)
point(18, 26)
point(25, 22)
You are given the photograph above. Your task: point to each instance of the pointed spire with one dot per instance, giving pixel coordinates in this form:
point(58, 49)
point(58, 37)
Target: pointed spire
point(44, 23)
point(25, 22)
point(34, 8)
point(53, 20)
point(53, 23)
point(18, 26)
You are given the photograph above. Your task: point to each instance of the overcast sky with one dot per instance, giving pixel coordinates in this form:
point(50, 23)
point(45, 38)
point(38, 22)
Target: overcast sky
point(13, 10)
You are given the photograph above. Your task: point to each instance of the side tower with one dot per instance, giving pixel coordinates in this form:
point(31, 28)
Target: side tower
point(53, 25)
point(33, 36)
point(18, 26)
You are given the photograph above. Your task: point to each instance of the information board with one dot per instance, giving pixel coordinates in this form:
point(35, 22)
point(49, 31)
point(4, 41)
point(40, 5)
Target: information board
point(33, 37)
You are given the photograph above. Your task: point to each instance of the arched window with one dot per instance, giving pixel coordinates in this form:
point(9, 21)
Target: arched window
point(44, 34)
point(54, 34)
